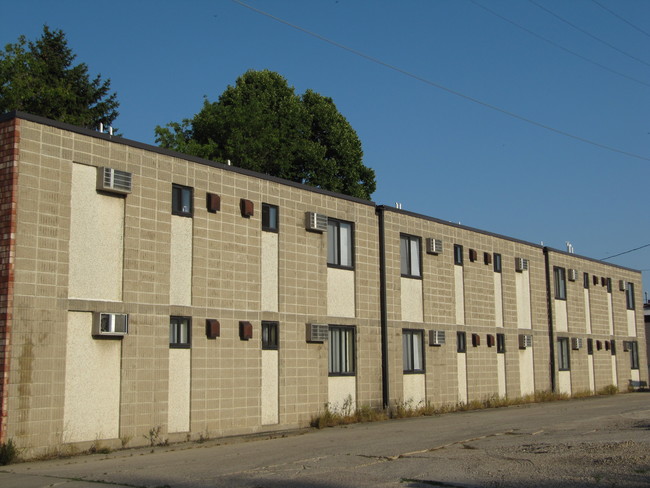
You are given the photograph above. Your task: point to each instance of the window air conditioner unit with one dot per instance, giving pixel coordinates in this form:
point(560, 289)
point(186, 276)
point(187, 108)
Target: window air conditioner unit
point(627, 347)
point(521, 264)
point(436, 337)
point(525, 341)
point(110, 324)
point(316, 222)
point(576, 343)
point(434, 246)
point(622, 285)
point(114, 180)
point(573, 274)
point(317, 332)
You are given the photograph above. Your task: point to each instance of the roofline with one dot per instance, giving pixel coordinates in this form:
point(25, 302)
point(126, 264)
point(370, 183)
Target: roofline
point(16, 114)
point(500, 236)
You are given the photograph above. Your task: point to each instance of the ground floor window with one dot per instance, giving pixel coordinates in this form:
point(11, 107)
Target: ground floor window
point(564, 363)
point(413, 350)
point(179, 331)
point(341, 352)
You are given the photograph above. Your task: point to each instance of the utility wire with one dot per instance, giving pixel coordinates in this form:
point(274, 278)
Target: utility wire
point(625, 252)
point(442, 87)
point(611, 46)
point(621, 18)
point(559, 46)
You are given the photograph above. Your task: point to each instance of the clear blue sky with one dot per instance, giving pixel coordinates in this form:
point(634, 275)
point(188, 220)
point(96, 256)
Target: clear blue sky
point(437, 153)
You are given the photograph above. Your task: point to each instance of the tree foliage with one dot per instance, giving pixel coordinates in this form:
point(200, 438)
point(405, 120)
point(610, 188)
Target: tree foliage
point(39, 78)
point(261, 124)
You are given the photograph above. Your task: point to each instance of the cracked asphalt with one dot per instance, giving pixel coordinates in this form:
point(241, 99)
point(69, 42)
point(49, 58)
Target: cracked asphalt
point(602, 441)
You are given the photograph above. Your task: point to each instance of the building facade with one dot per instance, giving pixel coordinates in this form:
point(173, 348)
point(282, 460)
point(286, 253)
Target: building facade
point(144, 290)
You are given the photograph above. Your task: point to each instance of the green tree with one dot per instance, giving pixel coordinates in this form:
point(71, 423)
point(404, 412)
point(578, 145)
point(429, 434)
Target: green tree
point(262, 125)
point(39, 78)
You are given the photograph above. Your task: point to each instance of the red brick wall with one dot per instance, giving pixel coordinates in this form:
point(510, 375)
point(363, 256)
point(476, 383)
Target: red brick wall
point(9, 139)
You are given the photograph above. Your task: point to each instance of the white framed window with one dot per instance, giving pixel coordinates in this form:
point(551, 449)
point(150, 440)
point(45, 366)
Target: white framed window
point(341, 353)
point(410, 256)
point(340, 244)
point(413, 350)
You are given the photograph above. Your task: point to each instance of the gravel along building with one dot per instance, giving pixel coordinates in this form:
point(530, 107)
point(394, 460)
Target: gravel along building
point(148, 296)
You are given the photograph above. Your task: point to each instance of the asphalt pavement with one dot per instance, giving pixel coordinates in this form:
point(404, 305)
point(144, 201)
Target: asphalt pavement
point(599, 441)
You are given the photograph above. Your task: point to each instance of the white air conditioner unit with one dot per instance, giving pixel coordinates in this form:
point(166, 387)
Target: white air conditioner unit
point(110, 324)
point(315, 222)
point(573, 274)
point(317, 332)
point(622, 285)
point(576, 343)
point(436, 337)
point(525, 341)
point(114, 180)
point(521, 264)
point(434, 246)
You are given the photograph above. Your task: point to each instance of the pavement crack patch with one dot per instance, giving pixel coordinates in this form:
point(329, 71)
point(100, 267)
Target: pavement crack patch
point(430, 482)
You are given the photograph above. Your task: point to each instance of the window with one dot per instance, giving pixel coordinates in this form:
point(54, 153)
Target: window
point(410, 256)
point(458, 254)
point(497, 262)
point(559, 278)
point(563, 354)
point(413, 350)
point(585, 280)
point(269, 217)
point(182, 200)
point(269, 335)
point(609, 285)
point(179, 331)
point(339, 243)
point(461, 342)
point(629, 295)
point(590, 347)
point(341, 350)
point(633, 347)
point(501, 343)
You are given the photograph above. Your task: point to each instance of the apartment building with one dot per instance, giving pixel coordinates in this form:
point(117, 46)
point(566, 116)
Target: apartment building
point(148, 290)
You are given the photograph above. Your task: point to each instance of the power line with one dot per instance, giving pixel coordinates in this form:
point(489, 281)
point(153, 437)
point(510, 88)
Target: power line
point(559, 46)
point(621, 18)
point(587, 33)
point(625, 252)
point(442, 87)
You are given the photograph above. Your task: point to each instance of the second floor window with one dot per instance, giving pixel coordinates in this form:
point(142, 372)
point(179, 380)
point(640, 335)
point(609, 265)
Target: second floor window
point(269, 217)
point(559, 279)
point(182, 200)
point(340, 243)
point(410, 256)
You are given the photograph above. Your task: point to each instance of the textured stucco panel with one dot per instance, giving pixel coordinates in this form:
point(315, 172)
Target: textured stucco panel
point(270, 404)
point(411, 299)
point(180, 267)
point(96, 239)
point(269, 267)
point(92, 383)
point(179, 390)
point(342, 393)
point(340, 293)
point(414, 389)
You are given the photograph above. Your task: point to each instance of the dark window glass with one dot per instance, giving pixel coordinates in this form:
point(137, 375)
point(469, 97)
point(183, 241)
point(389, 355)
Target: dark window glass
point(461, 342)
point(501, 343)
point(563, 354)
point(497, 262)
point(180, 331)
point(559, 278)
point(585, 280)
point(410, 256)
point(634, 354)
point(590, 346)
point(413, 350)
point(269, 217)
point(458, 254)
point(629, 295)
point(341, 353)
point(340, 243)
point(182, 200)
point(270, 339)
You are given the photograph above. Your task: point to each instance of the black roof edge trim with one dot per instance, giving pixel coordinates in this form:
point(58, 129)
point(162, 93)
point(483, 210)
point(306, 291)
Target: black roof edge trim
point(16, 114)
